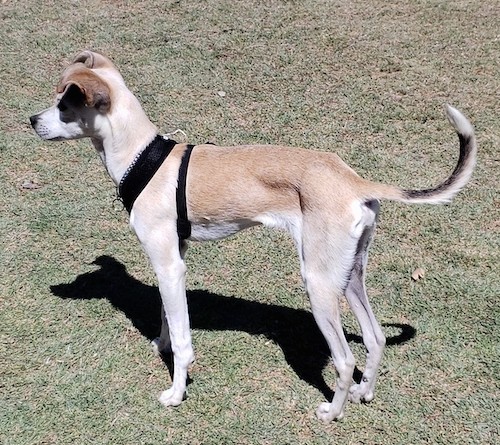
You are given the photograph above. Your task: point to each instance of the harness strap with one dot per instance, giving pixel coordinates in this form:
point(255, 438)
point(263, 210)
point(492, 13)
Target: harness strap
point(183, 223)
point(142, 170)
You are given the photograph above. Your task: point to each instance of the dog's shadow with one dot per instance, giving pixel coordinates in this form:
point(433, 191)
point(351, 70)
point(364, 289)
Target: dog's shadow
point(293, 330)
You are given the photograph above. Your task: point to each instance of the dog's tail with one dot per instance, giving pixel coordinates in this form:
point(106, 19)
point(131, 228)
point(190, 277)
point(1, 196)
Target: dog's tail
point(447, 190)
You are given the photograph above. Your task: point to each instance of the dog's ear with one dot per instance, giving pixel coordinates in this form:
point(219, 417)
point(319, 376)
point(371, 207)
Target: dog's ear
point(86, 89)
point(91, 59)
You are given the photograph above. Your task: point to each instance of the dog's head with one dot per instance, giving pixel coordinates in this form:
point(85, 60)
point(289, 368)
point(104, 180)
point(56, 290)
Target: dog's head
point(83, 99)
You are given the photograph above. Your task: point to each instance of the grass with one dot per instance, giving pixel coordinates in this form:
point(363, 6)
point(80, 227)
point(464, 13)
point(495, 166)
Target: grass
point(79, 302)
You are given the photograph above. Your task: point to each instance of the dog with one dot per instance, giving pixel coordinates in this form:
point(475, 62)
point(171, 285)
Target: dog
point(328, 209)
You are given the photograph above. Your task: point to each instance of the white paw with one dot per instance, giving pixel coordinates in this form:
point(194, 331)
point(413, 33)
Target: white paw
point(158, 348)
point(325, 413)
point(358, 394)
point(171, 398)
point(155, 346)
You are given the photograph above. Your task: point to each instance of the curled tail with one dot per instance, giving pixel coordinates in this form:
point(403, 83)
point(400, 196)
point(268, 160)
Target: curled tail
point(447, 190)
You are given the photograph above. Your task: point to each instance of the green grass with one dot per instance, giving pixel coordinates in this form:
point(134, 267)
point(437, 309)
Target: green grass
point(368, 80)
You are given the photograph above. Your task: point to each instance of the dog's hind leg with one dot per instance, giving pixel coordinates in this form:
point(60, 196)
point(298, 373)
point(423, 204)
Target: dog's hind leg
point(325, 253)
point(373, 337)
point(326, 311)
point(324, 296)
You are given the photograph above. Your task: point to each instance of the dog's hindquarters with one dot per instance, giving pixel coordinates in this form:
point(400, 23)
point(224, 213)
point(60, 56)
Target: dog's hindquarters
point(335, 238)
point(362, 230)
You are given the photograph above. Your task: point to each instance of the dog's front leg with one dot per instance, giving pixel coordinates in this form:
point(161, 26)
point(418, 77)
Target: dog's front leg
point(161, 345)
point(167, 261)
point(171, 279)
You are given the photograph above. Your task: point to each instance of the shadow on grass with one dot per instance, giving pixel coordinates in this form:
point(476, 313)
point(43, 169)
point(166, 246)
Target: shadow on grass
point(293, 330)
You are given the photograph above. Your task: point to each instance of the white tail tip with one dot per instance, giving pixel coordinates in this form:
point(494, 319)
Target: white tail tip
point(459, 121)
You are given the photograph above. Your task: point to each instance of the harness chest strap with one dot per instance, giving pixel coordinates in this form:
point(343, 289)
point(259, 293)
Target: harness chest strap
point(183, 223)
point(142, 170)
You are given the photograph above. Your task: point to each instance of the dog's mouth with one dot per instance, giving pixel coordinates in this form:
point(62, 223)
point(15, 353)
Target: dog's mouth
point(45, 136)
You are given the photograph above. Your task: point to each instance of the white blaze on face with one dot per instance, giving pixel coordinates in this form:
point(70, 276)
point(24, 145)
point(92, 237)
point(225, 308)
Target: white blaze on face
point(51, 125)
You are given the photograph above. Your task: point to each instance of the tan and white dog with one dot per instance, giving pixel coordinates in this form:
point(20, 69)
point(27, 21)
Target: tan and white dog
point(327, 208)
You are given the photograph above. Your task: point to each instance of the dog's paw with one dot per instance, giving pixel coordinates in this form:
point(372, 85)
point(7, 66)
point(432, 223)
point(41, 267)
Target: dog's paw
point(171, 398)
point(326, 413)
point(158, 348)
point(359, 393)
point(155, 346)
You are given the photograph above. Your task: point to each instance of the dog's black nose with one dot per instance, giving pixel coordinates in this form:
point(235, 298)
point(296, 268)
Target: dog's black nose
point(34, 120)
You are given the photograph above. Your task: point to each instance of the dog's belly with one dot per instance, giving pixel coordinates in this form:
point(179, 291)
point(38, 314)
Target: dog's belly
point(209, 230)
point(212, 230)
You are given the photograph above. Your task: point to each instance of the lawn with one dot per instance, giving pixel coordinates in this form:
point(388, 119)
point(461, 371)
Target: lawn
point(79, 302)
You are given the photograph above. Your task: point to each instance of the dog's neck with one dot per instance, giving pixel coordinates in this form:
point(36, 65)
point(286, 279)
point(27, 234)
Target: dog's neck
point(121, 139)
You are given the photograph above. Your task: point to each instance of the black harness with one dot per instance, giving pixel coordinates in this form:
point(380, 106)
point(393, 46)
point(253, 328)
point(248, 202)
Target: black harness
point(142, 170)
